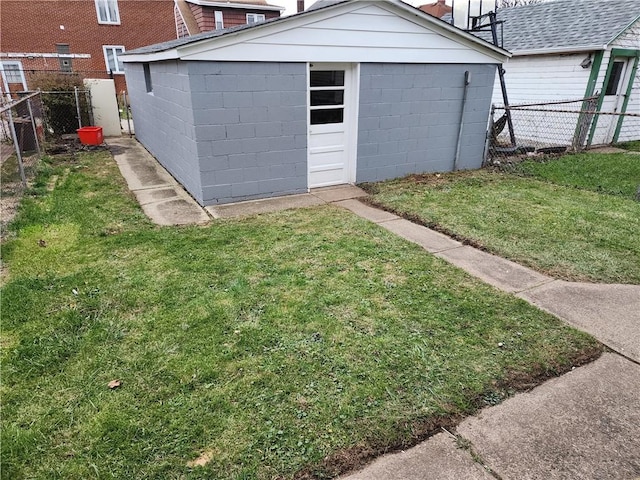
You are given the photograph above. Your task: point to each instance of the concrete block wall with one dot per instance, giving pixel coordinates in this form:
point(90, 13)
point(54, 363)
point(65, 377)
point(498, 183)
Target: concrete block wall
point(409, 118)
point(251, 129)
point(163, 119)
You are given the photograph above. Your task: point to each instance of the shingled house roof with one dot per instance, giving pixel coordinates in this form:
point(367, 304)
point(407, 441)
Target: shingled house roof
point(565, 25)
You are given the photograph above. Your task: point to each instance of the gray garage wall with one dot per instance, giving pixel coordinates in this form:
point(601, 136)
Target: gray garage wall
point(410, 115)
point(251, 129)
point(164, 119)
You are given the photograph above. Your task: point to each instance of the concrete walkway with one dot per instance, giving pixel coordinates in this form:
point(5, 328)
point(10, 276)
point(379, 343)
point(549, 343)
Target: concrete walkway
point(583, 425)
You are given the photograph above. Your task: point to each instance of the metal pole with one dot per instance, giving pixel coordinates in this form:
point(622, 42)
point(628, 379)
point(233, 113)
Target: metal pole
point(33, 126)
point(75, 92)
point(489, 140)
point(126, 107)
point(467, 81)
point(17, 147)
point(503, 85)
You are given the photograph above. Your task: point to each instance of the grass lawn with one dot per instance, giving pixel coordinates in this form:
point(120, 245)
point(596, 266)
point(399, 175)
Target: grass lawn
point(614, 173)
point(554, 218)
point(291, 345)
point(633, 145)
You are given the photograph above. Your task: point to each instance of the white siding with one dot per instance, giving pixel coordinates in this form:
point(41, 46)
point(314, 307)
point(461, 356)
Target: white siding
point(543, 78)
point(368, 33)
point(540, 79)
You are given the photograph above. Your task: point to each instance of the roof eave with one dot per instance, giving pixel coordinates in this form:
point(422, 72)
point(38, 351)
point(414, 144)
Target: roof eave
point(621, 32)
point(171, 54)
point(558, 50)
point(499, 54)
point(246, 6)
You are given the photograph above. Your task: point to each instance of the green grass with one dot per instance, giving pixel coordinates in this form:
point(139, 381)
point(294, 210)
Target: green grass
point(615, 174)
point(569, 232)
point(276, 346)
point(633, 145)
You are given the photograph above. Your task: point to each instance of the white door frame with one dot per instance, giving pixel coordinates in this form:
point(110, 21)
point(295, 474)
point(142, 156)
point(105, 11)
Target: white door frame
point(351, 103)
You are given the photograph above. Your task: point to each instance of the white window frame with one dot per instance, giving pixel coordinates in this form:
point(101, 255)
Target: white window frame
point(5, 80)
point(219, 19)
point(106, 48)
point(108, 20)
point(256, 17)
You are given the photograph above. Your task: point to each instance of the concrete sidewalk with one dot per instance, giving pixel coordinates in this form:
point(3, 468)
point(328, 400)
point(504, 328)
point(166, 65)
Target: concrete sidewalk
point(583, 425)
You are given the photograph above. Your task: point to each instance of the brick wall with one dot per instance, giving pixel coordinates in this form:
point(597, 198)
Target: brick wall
point(409, 118)
point(205, 16)
point(34, 26)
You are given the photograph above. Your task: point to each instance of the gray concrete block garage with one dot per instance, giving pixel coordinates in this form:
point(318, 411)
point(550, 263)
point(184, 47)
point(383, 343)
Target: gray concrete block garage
point(354, 91)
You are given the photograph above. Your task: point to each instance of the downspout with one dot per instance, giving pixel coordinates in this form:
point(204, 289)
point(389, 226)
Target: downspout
point(467, 81)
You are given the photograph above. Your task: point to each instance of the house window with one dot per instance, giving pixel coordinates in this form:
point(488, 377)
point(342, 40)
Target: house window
point(326, 96)
point(147, 77)
point(65, 58)
point(107, 11)
point(614, 79)
point(12, 72)
point(255, 18)
point(111, 60)
point(219, 20)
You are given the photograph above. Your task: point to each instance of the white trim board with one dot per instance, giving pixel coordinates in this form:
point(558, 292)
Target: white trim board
point(411, 36)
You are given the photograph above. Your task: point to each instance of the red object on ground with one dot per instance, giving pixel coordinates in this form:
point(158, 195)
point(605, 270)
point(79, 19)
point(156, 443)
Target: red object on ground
point(90, 135)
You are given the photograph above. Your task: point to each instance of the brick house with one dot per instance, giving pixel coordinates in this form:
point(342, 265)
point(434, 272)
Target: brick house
point(197, 16)
point(87, 36)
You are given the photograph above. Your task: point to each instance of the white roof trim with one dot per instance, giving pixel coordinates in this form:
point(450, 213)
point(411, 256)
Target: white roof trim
point(246, 6)
point(397, 7)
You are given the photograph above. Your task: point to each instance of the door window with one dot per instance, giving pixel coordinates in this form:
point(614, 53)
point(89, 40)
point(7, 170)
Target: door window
point(614, 78)
point(326, 95)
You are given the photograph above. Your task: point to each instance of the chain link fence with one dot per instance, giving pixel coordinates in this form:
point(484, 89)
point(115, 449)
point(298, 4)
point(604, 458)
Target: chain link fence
point(22, 131)
point(30, 126)
point(550, 128)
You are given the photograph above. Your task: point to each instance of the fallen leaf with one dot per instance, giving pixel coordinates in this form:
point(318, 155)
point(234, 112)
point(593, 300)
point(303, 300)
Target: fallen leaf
point(42, 243)
point(114, 384)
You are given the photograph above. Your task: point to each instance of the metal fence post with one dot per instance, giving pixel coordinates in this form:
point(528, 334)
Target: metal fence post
point(33, 126)
point(12, 126)
point(75, 92)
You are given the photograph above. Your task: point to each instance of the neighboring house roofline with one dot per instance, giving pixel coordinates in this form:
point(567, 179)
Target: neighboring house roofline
point(621, 32)
point(564, 26)
point(177, 49)
point(559, 50)
point(246, 6)
point(187, 16)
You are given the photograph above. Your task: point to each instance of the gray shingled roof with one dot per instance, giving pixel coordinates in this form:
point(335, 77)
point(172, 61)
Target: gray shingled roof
point(565, 24)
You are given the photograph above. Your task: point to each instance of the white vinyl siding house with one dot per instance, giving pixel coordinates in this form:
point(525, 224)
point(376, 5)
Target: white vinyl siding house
point(568, 50)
